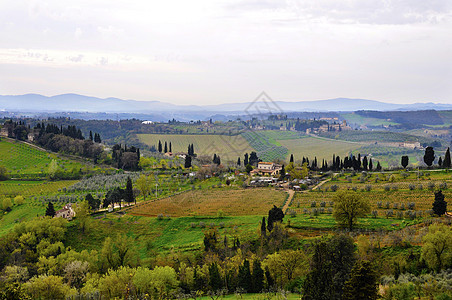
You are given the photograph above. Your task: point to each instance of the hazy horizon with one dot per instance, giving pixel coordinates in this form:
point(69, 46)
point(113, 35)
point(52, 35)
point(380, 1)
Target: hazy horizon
point(214, 52)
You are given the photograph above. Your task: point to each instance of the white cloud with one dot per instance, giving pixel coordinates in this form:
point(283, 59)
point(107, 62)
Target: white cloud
point(214, 51)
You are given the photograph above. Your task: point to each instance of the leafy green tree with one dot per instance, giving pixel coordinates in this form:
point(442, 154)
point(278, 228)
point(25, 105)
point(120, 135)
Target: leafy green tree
point(439, 205)
point(248, 168)
point(429, 156)
point(144, 185)
point(48, 287)
point(363, 283)
point(50, 210)
point(405, 160)
point(287, 265)
point(52, 169)
point(82, 215)
point(6, 204)
point(3, 173)
point(437, 249)
point(348, 207)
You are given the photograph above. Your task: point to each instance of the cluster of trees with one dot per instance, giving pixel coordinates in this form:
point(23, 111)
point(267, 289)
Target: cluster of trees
point(336, 164)
point(252, 159)
point(190, 155)
point(126, 158)
point(36, 263)
point(118, 195)
point(164, 149)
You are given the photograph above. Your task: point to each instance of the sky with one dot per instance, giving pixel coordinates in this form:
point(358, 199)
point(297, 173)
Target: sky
point(211, 52)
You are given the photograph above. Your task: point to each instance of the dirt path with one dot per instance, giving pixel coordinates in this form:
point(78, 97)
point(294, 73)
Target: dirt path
point(289, 199)
point(292, 193)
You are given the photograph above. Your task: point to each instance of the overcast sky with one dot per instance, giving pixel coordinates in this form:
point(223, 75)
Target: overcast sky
point(207, 52)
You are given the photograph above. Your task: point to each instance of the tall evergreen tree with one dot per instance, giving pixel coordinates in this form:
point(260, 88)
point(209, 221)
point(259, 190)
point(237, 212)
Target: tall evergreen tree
point(246, 161)
point(160, 146)
point(439, 205)
point(258, 277)
point(440, 162)
point(129, 197)
point(245, 280)
point(170, 147)
point(166, 148)
point(447, 161)
point(429, 156)
point(378, 167)
point(363, 283)
point(404, 161)
point(365, 163)
point(263, 227)
point(371, 165)
point(50, 210)
point(187, 163)
point(238, 161)
point(291, 158)
point(215, 282)
point(91, 135)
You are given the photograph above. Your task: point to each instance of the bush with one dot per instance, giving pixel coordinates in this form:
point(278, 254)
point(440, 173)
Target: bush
point(334, 187)
point(19, 200)
point(368, 187)
point(442, 186)
point(313, 204)
point(389, 213)
point(374, 214)
point(431, 186)
point(387, 205)
point(387, 188)
point(411, 205)
point(160, 217)
point(322, 204)
point(411, 186)
point(202, 224)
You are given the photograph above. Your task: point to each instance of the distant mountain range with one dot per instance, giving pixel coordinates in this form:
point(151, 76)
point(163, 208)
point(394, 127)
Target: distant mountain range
point(80, 103)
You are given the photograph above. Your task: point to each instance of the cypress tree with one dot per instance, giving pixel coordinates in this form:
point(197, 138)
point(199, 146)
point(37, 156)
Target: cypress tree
point(257, 277)
point(129, 197)
point(166, 148)
point(91, 135)
point(365, 163)
point(363, 283)
point(50, 210)
point(291, 158)
point(215, 281)
point(440, 162)
point(246, 161)
point(244, 276)
point(447, 162)
point(371, 165)
point(429, 156)
point(160, 146)
point(170, 148)
point(263, 227)
point(439, 205)
point(187, 163)
point(238, 161)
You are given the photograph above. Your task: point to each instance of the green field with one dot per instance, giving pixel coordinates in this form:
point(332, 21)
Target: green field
point(21, 159)
point(317, 147)
point(228, 147)
point(360, 120)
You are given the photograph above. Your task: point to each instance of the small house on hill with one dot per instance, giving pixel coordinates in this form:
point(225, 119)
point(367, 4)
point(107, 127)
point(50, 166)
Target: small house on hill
point(66, 212)
point(267, 168)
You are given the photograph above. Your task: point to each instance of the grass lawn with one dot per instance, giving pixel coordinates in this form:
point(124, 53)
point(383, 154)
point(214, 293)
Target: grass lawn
point(160, 235)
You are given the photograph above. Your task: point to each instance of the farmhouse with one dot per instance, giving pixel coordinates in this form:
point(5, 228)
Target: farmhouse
point(66, 212)
point(267, 168)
